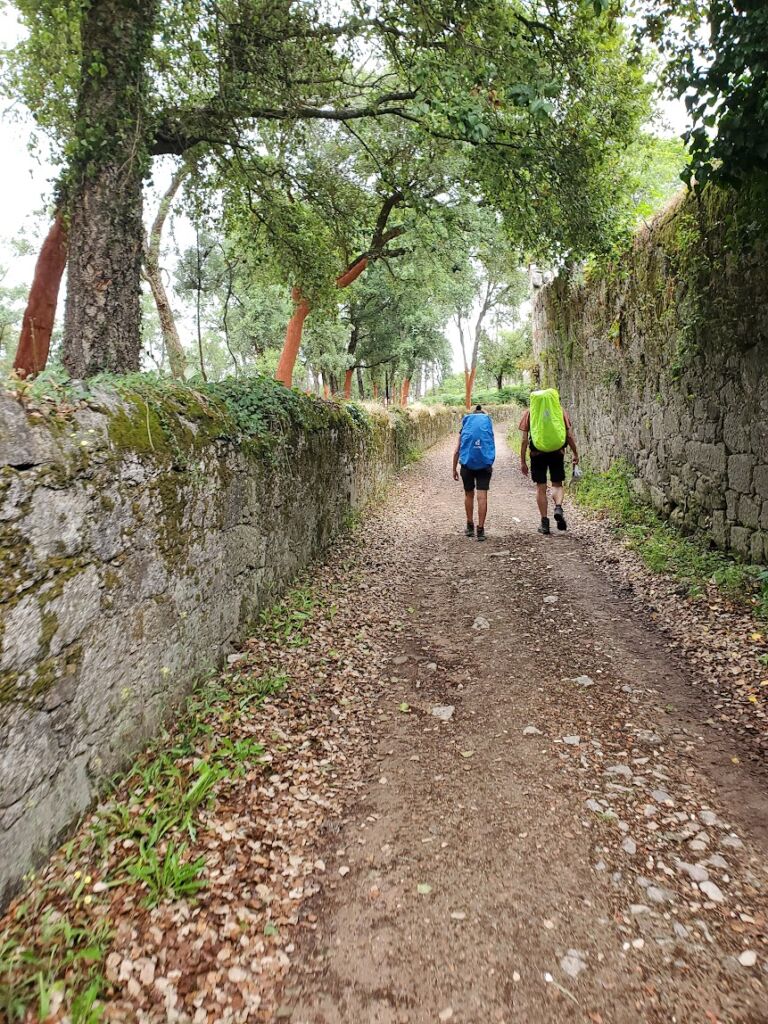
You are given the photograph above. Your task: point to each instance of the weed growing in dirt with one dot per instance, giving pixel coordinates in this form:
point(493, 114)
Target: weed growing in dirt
point(664, 548)
point(60, 970)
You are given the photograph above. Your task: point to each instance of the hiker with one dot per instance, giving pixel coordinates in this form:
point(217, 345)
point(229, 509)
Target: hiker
point(546, 428)
point(476, 450)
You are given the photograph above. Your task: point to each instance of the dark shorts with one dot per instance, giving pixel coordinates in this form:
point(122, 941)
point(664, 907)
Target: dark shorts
point(476, 478)
point(552, 461)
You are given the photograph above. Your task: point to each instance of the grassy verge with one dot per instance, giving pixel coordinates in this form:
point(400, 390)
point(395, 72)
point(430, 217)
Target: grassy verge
point(664, 548)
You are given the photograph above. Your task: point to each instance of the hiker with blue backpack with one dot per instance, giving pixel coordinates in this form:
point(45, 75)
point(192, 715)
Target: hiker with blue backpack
point(476, 451)
point(546, 428)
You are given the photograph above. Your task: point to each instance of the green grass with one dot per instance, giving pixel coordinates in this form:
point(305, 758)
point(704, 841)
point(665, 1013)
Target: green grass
point(664, 548)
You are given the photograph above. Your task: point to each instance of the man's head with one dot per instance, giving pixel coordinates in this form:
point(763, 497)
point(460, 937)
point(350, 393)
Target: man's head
point(478, 408)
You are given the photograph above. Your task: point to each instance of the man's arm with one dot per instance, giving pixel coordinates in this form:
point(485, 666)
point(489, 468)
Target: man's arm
point(456, 460)
point(570, 440)
point(524, 454)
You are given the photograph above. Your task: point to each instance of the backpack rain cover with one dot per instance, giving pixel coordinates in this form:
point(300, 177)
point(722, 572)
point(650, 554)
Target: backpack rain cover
point(477, 448)
point(548, 431)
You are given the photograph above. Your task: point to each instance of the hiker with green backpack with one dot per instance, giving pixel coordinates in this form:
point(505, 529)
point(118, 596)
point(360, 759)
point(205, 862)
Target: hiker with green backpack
point(546, 429)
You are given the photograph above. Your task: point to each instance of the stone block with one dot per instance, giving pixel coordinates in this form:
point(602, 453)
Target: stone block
point(731, 505)
point(707, 458)
point(757, 547)
point(21, 635)
point(719, 529)
point(740, 473)
point(741, 540)
point(760, 481)
point(737, 432)
point(56, 522)
point(749, 512)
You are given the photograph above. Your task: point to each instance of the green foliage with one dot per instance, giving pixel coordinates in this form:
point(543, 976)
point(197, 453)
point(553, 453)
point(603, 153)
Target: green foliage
point(451, 392)
point(716, 58)
point(166, 875)
point(62, 964)
point(664, 548)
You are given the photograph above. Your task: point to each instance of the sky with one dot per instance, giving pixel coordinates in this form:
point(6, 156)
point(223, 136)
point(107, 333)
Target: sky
point(26, 180)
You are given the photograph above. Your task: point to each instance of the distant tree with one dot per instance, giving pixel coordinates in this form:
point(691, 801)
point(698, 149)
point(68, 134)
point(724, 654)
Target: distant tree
point(504, 354)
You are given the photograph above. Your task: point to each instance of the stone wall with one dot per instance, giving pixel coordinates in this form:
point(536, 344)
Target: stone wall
point(663, 360)
point(139, 536)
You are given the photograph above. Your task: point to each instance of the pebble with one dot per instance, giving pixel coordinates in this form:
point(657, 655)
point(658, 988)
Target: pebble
point(680, 930)
point(572, 741)
point(629, 846)
point(708, 817)
point(445, 1014)
point(619, 769)
point(515, 976)
point(748, 958)
point(531, 730)
point(551, 599)
point(458, 915)
point(716, 861)
point(638, 943)
point(344, 870)
point(638, 908)
point(593, 805)
point(661, 796)
point(232, 659)
point(443, 711)
point(481, 623)
point(696, 872)
point(712, 892)
point(584, 681)
point(573, 963)
point(733, 842)
point(656, 894)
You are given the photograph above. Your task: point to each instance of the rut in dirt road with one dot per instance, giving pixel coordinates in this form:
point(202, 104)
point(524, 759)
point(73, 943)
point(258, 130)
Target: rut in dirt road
point(569, 845)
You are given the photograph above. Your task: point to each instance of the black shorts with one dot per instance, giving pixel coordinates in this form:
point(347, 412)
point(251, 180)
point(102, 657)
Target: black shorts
point(480, 478)
point(552, 461)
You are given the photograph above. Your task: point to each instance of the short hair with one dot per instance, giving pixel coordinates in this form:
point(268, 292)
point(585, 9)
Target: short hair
point(478, 408)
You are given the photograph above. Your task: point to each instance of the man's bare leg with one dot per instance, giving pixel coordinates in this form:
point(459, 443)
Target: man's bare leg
point(469, 506)
point(557, 493)
point(541, 499)
point(482, 507)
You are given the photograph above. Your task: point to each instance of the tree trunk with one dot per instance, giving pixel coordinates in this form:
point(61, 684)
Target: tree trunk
point(351, 347)
point(499, 382)
point(37, 325)
point(469, 382)
point(292, 343)
point(375, 391)
point(102, 329)
point(405, 391)
point(153, 274)
point(360, 383)
point(348, 375)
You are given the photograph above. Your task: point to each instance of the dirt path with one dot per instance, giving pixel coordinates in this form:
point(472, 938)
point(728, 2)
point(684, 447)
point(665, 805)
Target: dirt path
point(573, 844)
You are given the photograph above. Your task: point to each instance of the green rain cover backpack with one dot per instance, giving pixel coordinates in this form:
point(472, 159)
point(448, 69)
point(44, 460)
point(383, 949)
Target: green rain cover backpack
point(547, 421)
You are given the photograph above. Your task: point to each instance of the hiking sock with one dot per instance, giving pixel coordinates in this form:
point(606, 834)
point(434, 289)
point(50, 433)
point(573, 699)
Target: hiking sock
point(544, 528)
point(481, 533)
point(560, 518)
point(470, 530)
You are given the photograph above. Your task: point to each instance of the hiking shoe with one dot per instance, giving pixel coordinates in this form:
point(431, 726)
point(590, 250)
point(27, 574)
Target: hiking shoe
point(560, 518)
point(544, 528)
point(470, 530)
point(481, 533)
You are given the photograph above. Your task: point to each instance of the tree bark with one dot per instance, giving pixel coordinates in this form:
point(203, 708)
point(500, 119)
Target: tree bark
point(469, 383)
point(37, 325)
point(292, 344)
point(102, 328)
point(351, 348)
point(405, 391)
point(360, 383)
point(153, 274)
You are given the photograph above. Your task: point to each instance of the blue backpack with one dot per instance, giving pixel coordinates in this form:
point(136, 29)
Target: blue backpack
point(477, 448)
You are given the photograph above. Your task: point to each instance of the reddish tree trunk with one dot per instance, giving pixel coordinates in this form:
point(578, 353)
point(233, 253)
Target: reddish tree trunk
point(405, 391)
point(292, 343)
point(37, 325)
point(326, 391)
point(293, 334)
point(348, 384)
point(375, 391)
